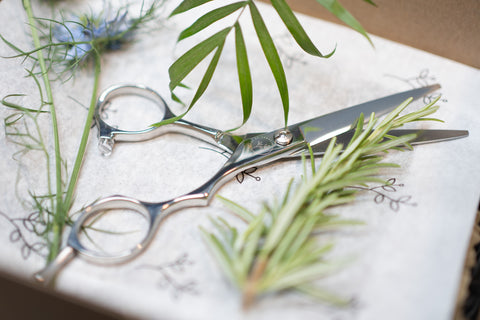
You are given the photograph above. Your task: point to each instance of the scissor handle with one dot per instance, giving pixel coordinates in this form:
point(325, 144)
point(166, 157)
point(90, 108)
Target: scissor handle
point(254, 151)
point(147, 211)
point(75, 246)
point(108, 135)
point(154, 213)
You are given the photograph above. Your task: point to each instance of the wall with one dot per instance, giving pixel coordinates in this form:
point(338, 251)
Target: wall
point(447, 28)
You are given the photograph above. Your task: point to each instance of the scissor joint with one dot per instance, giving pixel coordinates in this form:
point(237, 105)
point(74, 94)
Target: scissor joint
point(219, 135)
point(283, 137)
point(226, 141)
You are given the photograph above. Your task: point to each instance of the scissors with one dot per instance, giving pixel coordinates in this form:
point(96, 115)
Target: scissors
point(245, 151)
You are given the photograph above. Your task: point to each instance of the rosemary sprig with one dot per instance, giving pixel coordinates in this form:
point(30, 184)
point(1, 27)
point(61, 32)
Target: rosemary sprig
point(280, 249)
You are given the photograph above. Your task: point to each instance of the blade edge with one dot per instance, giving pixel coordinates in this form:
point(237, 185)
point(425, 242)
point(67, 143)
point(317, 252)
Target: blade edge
point(423, 137)
point(327, 126)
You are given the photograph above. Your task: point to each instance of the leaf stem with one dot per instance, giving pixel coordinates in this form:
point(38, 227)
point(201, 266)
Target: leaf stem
point(251, 286)
point(86, 132)
point(60, 216)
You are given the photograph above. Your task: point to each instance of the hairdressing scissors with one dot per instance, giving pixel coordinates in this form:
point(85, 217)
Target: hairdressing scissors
point(245, 151)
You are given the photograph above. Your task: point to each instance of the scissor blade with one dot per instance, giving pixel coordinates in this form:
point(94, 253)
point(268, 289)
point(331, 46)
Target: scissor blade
point(430, 136)
point(423, 137)
point(327, 126)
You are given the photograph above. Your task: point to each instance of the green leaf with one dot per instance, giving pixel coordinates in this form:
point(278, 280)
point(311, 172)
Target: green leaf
point(285, 243)
point(371, 2)
point(210, 18)
point(19, 107)
point(306, 274)
point(239, 210)
point(187, 5)
point(252, 244)
point(323, 295)
point(359, 136)
point(208, 75)
point(308, 254)
point(190, 59)
point(12, 119)
point(387, 122)
point(220, 253)
point(221, 227)
point(358, 127)
point(341, 13)
point(302, 236)
point(12, 46)
point(272, 56)
point(244, 76)
point(392, 143)
point(296, 29)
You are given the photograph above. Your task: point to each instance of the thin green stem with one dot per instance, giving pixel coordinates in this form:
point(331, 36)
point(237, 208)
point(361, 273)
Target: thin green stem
point(60, 222)
point(59, 210)
point(86, 131)
point(42, 143)
point(47, 162)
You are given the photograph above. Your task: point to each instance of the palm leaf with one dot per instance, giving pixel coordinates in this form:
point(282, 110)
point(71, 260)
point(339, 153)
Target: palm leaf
point(296, 29)
point(272, 56)
point(187, 5)
point(190, 59)
point(244, 76)
point(208, 74)
point(341, 13)
point(210, 18)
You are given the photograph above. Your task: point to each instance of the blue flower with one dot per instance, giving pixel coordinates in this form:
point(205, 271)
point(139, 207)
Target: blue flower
point(79, 34)
point(112, 28)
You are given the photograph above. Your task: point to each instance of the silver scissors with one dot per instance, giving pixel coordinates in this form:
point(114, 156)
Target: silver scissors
point(247, 151)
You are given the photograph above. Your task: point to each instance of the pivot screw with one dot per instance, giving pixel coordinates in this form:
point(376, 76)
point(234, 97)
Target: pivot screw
point(283, 137)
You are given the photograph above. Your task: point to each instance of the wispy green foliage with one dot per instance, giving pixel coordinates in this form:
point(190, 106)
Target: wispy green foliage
point(281, 247)
point(184, 65)
point(68, 42)
point(59, 48)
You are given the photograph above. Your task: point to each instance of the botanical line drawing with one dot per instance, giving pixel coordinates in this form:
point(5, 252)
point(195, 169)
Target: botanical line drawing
point(30, 224)
point(424, 78)
point(383, 194)
point(169, 272)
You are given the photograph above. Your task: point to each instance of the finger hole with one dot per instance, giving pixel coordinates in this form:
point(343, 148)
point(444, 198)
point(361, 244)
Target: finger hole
point(113, 232)
point(133, 112)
